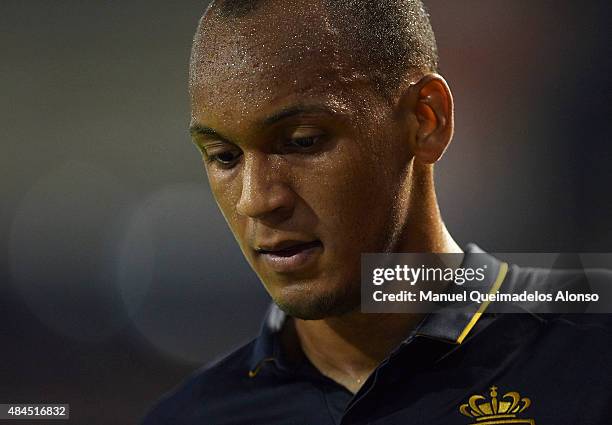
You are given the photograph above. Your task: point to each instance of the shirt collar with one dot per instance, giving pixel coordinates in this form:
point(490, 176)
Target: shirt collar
point(451, 325)
point(267, 344)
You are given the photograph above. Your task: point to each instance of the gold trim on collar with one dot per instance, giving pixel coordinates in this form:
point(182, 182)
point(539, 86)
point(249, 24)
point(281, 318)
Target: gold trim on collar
point(253, 373)
point(503, 270)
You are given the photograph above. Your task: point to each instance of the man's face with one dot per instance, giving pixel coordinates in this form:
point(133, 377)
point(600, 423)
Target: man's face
point(303, 157)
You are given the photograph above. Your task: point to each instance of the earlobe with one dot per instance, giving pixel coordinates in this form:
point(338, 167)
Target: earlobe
point(433, 109)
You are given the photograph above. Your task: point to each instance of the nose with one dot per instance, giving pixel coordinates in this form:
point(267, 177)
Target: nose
point(264, 196)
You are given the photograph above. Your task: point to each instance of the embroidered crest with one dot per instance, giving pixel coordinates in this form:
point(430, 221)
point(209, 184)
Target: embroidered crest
point(497, 411)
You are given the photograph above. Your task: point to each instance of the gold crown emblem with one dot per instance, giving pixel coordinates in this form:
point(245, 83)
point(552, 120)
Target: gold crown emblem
point(497, 412)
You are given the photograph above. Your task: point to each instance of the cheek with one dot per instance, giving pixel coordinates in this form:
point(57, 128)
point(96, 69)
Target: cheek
point(349, 195)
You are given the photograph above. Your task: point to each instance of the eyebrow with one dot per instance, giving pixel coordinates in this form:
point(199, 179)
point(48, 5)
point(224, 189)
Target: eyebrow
point(203, 130)
point(295, 110)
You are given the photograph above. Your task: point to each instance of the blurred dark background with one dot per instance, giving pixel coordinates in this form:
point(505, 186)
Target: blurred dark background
point(118, 277)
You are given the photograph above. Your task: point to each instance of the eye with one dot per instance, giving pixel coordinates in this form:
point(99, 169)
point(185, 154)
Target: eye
point(224, 159)
point(305, 143)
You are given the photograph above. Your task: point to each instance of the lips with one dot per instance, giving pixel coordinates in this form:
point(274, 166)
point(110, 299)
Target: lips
point(290, 255)
point(288, 248)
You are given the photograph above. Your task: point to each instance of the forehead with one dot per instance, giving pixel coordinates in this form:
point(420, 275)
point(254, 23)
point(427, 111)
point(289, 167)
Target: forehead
point(280, 52)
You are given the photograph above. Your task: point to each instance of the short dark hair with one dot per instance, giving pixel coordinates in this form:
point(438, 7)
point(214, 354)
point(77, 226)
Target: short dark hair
point(393, 37)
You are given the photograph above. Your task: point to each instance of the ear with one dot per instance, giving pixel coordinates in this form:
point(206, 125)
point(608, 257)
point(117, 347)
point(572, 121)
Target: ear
point(429, 104)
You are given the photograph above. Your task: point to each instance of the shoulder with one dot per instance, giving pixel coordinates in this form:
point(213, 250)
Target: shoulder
point(574, 324)
point(556, 333)
point(194, 395)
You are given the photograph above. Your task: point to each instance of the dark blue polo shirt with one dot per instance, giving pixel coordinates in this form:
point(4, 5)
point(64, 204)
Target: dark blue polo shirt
point(466, 367)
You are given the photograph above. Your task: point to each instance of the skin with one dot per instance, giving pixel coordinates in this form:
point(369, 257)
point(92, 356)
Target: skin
point(298, 145)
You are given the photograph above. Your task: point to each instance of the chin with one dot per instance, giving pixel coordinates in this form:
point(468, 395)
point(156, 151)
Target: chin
point(308, 303)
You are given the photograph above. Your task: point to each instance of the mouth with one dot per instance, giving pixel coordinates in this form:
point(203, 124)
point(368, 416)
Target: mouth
point(289, 256)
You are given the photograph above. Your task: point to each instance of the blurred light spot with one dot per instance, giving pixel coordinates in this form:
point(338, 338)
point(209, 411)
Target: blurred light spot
point(183, 278)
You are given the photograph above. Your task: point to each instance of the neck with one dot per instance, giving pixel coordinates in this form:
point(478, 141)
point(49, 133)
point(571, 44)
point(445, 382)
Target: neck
point(348, 348)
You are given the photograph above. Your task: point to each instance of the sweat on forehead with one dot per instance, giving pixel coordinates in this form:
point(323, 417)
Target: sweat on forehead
point(274, 57)
point(384, 40)
point(291, 40)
